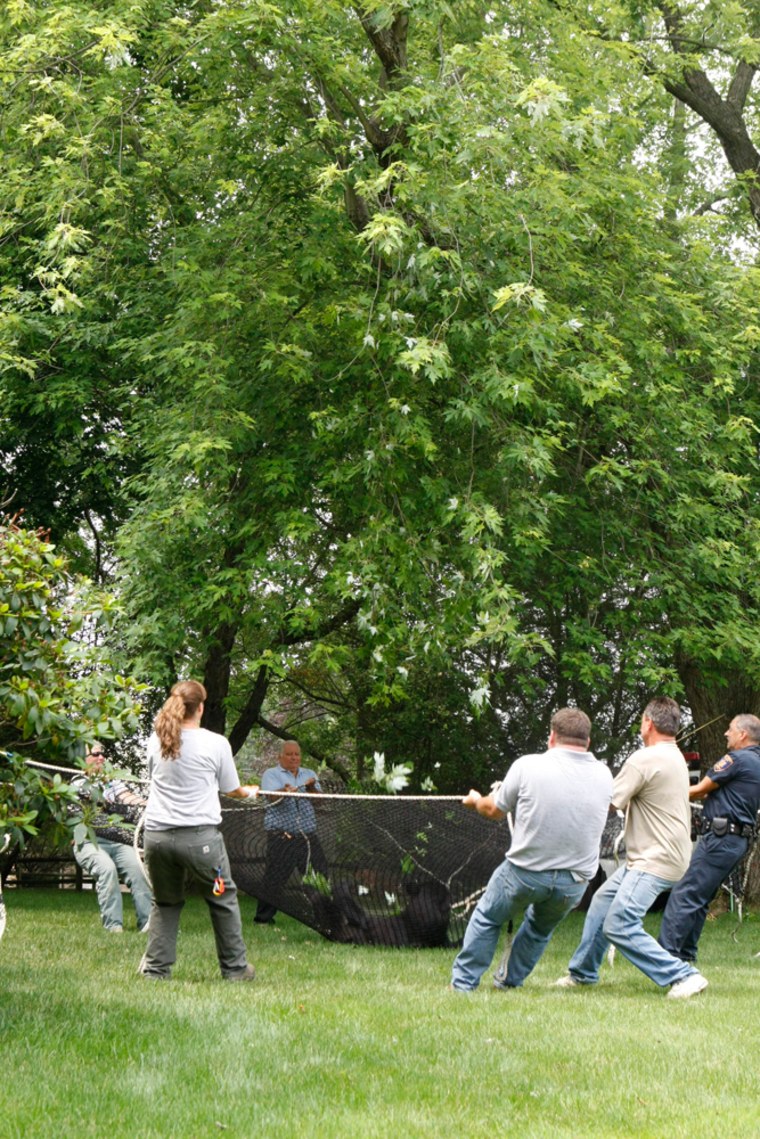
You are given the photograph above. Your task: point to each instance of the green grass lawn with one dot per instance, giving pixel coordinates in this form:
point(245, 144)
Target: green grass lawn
point(340, 1041)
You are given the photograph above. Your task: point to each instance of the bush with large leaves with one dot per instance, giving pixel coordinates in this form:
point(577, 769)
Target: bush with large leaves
point(59, 686)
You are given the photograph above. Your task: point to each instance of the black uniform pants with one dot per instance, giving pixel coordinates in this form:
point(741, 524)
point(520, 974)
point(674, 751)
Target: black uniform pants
point(711, 863)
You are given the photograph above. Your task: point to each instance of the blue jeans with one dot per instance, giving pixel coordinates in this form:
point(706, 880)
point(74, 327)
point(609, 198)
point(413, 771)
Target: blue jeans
point(711, 863)
point(549, 896)
point(616, 915)
point(109, 863)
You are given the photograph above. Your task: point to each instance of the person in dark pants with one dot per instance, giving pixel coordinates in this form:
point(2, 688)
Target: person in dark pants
point(731, 790)
point(189, 768)
point(291, 828)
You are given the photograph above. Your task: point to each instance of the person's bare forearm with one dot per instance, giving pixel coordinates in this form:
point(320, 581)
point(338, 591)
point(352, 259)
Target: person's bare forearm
point(250, 791)
point(483, 804)
point(702, 789)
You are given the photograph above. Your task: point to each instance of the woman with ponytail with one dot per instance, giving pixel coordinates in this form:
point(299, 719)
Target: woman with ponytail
point(189, 768)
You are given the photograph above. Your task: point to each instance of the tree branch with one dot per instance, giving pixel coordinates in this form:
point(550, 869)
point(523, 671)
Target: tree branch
point(389, 43)
point(724, 116)
point(739, 87)
point(251, 710)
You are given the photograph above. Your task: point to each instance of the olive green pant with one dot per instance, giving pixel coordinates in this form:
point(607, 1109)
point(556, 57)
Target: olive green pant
point(199, 854)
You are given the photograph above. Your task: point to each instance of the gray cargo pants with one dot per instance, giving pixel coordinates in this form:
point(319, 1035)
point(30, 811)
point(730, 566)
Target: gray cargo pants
point(199, 853)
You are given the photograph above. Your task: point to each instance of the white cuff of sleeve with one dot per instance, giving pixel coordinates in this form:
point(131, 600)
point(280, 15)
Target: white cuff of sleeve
point(252, 792)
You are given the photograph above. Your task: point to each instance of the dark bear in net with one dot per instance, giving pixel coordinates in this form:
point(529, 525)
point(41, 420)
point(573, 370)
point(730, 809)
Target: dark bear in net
point(400, 872)
point(423, 923)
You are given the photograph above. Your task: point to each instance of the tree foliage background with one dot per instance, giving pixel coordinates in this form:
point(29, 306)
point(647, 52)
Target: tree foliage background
point(59, 688)
point(397, 363)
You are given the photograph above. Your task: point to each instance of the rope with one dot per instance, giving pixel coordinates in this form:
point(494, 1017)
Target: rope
point(51, 767)
point(352, 795)
point(500, 975)
point(701, 728)
point(320, 795)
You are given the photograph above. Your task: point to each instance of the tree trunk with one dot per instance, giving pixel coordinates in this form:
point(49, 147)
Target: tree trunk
point(251, 711)
point(216, 678)
point(713, 705)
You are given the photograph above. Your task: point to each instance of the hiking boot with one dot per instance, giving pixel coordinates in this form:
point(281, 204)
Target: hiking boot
point(247, 974)
point(149, 974)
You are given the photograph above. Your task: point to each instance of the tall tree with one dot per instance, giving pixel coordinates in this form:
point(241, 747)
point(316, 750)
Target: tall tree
point(402, 346)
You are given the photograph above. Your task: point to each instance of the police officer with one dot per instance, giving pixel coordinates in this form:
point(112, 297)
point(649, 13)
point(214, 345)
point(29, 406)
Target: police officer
point(731, 790)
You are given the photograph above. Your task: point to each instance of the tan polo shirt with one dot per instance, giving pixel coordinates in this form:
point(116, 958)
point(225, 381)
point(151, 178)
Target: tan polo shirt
point(653, 789)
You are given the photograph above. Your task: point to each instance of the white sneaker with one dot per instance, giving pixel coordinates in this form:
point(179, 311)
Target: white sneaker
point(689, 987)
point(567, 982)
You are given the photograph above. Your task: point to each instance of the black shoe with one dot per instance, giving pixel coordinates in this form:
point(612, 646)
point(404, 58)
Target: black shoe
point(264, 921)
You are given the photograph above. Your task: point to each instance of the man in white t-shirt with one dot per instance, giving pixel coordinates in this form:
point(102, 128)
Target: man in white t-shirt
point(653, 789)
point(560, 801)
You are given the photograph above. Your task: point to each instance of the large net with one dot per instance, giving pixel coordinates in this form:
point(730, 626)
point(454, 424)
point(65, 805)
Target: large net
point(368, 870)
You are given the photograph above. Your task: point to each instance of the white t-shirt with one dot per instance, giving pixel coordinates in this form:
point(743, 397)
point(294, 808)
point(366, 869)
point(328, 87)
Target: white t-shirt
point(184, 792)
point(560, 800)
point(653, 787)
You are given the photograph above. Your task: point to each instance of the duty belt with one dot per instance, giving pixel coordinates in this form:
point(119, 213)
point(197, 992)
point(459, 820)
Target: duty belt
point(723, 826)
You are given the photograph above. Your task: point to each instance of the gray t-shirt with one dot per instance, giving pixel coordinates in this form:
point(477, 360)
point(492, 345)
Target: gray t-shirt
point(184, 792)
point(560, 801)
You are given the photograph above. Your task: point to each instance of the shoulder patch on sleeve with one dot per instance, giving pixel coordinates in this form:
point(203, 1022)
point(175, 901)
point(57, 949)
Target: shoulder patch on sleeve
point(722, 764)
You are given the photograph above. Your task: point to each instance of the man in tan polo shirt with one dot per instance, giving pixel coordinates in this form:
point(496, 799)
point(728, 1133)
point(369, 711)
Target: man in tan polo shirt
point(653, 788)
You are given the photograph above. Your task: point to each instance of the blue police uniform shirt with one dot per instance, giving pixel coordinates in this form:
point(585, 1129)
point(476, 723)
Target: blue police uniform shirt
point(291, 814)
point(737, 797)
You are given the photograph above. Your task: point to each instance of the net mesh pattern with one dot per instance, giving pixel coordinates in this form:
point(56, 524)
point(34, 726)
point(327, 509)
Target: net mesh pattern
point(400, 871)
point(612, 845)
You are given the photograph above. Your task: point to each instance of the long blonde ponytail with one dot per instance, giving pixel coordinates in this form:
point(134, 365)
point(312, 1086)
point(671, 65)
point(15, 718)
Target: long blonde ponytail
point(184, 701)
